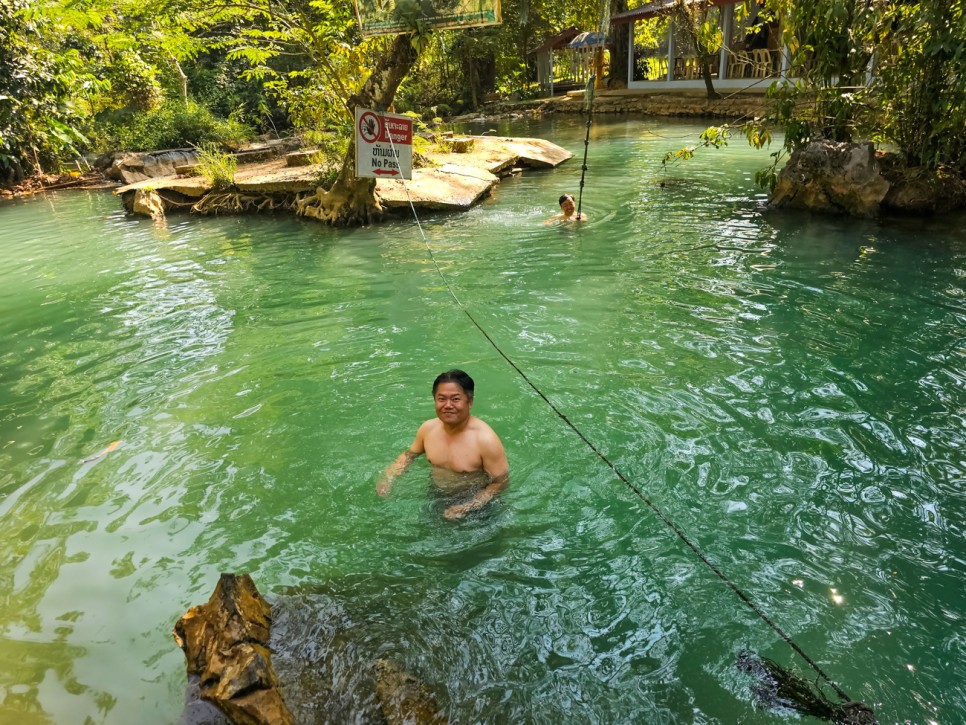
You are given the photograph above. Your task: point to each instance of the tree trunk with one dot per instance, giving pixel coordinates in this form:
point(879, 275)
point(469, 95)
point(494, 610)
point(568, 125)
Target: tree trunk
point(182, 78)
point(690, 23)
point(708, 85)
point(474, 82)
point(352, 201)
point(617, 77)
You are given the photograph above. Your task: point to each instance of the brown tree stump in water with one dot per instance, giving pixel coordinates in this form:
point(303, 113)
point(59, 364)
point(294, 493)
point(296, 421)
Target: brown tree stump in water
point(226, 644)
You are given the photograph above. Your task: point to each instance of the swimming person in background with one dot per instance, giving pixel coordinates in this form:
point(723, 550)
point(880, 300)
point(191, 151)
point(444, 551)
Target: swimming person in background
point(568, 208)
point(467, 456)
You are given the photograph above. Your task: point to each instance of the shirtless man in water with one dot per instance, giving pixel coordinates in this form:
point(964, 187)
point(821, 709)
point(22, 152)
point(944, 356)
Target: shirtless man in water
point(568, 208)
point(464, 451)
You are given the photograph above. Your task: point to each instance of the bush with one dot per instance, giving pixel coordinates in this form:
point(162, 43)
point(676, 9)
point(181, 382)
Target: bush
point(134, 83)
point(217, 167)
point(174, 125)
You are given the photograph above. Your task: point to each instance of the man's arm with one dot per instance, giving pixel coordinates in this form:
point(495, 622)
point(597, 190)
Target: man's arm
point(497, 468)
point(401, 464)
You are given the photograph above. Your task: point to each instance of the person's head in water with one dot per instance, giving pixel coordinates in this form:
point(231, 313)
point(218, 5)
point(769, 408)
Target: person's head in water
point(568, 209)
point(456, 376)
point(453, 396)
point(567, 205)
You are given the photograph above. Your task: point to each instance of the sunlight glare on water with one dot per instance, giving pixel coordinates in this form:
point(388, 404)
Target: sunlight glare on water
point(787, 388)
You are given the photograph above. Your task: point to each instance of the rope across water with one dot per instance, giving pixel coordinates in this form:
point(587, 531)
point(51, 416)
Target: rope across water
point(654, 507)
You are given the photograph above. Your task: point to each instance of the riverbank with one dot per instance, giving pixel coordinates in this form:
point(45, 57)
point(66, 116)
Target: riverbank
point(455, 174)
point(681, 104)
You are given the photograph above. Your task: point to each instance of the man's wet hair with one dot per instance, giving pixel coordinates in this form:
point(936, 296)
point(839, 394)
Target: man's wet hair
point(458, 377)
point(563, 198)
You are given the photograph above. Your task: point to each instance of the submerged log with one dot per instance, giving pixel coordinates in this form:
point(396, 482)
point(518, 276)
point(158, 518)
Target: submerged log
point(776, 688)
point(226, 645)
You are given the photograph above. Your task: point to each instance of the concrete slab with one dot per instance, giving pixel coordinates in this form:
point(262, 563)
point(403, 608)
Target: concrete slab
point(446, 187)
point(496, 153)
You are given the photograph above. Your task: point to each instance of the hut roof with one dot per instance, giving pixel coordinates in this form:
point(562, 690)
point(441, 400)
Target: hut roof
point(557, 41)
point(657, 8)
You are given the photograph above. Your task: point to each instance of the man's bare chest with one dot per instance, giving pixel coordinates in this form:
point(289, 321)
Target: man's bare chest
point(456, 453)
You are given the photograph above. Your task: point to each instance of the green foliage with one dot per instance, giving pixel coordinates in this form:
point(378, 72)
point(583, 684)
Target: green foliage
point(455, 69)
point(116, 67)
point(712, 137)
point(134, 82)
point(920, 84)
point(38, 120)
point(420, 143)
point(217, 166)
point(333, 148)
point(831, 49)
point(174, 125)
point(220, 84)
point(700, 26)
point(913, 53)
point(890, 71)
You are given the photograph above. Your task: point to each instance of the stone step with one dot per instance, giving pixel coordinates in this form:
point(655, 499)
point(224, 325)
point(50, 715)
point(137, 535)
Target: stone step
point(301, 158)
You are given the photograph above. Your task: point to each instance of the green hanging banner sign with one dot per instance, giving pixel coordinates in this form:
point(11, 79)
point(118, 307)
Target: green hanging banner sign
point(391, 17)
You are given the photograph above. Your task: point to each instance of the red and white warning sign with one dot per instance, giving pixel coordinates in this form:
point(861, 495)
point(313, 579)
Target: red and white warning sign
point(384, 145)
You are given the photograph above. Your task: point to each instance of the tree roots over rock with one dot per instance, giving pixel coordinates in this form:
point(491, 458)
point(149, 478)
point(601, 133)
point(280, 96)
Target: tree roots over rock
point(348, 203)
point(237, 203)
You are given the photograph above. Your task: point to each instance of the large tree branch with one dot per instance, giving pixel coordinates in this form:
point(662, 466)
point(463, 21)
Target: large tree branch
point(380, 87)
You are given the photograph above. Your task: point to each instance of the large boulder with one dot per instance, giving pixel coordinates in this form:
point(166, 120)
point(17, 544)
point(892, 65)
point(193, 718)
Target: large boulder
point(832, 177)
point(916, 190)
point(134, 167)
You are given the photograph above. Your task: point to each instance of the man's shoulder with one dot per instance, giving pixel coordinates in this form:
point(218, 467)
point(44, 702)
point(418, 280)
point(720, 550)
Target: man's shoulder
point(482, 428)
point(430, 425)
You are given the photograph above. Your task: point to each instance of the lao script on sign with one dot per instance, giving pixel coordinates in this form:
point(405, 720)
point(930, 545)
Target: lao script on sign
point(384, 145)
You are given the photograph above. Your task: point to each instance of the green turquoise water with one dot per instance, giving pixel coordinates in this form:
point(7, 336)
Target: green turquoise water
point(789, 389)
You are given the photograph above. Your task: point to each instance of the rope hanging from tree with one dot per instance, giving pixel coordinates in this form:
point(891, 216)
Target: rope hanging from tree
point(588, 104)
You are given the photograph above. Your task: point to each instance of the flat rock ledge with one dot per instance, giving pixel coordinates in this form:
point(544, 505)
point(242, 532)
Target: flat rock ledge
point(454, 181)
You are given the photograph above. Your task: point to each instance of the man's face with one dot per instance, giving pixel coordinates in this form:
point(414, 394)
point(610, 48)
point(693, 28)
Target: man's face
point(452, 404)
point(568, 206)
